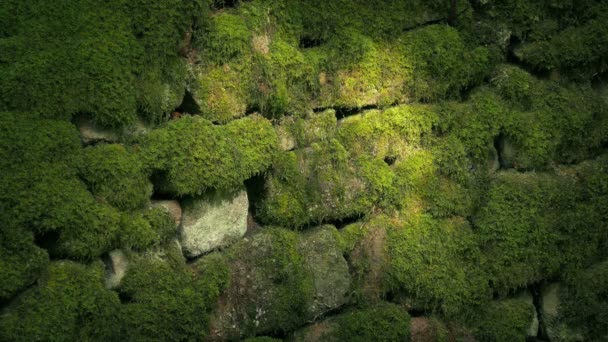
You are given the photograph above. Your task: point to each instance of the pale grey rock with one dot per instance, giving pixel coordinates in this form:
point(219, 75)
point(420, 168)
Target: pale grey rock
point(118, 263)
point(91, 133)
point(556, 330)
point(212, 221)
point(172, 207)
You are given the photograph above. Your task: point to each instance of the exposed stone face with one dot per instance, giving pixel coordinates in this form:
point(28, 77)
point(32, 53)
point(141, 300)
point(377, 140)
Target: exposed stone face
point(281, 280)
point(118, 264)
point(213, 221)
point(91, 133)
point(172, 207)
point(555, 329)
point(533, 329)
point(331, 279)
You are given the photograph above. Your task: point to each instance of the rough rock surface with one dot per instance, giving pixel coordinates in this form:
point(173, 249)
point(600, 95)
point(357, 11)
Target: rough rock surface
point(556, 330)
point(91, 133)
point(172, 207)
point(272, 290)
point(213, 221)
point(533, 329)
point(117, 268)
point(331, 279)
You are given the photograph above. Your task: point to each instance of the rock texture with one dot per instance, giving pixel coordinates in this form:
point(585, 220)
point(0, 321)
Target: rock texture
point(331, 279)
point(172, 207)
point(555, 329)
point(91, 133)
point(213, 221)
point(280, 281)
point(118, 264)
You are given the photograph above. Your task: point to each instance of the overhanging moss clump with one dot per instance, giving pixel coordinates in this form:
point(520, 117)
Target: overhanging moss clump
point(192, 155)
point(21, 261)
point(115, 175)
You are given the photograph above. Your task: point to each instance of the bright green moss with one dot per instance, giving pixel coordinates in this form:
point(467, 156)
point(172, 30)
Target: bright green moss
point(434, 262)
point(387, 133)
point(116, 176)
point(166, 302)
point(382, 322)
point(21, 261)
point(286, 80)
point(69, 303)
point(192, 155)
point(228, 38)
point(223, 91)
point(504, 321)
point(418, 185)
point(311, 185)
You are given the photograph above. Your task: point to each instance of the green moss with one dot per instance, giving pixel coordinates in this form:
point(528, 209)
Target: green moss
point(584, 302)
point(476, 123)
point(58, 77)
point(285, 78)
point(116, 176)
point(286, 267)
point(26, 140)
point(228, 38)
point(272, 289)
point(69, 303)
point(311, 128)
point(387, 133)
point(383, 322)
point(506, 320)
point(166, 302)
point(350, 236)
point(311, 185)
point(261, 339)
point(191, 155)
point(434, 263)
point(518, 227)
point(223, 91)
point(21, 261)
point(442, 63)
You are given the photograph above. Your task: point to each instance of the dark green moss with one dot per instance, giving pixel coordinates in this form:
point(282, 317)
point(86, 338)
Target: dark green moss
point(383, 322)
point(58, 77)
point(21, 261)
point(116, 176)
point(503, 321)
point(584, 302)
point(531, 227)
point(69, 303)
point(166, 302)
